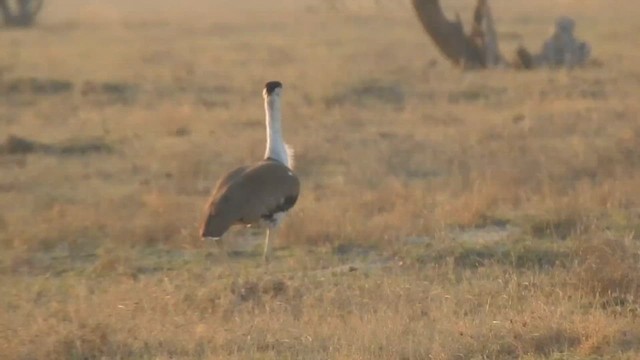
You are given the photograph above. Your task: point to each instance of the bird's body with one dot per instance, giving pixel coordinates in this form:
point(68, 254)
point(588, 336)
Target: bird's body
point(273, 191)
point(257, 194)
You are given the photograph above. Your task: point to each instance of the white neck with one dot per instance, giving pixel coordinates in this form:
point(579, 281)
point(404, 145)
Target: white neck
point(276, 148)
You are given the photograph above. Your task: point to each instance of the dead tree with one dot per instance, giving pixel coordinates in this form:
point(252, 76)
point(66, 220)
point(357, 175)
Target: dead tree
point(476, 50)
point(479, 48)
point(20, 13)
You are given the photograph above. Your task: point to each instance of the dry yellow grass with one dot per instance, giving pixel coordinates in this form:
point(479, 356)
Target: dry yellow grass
point(443, 215)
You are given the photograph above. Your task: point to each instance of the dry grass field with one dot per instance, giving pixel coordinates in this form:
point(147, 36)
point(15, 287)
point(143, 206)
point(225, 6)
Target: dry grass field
point(443, 214)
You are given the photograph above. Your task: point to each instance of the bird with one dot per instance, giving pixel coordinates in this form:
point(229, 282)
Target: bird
point(260, 194)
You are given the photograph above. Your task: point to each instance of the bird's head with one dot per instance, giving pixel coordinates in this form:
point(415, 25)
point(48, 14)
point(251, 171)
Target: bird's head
point(272, 89)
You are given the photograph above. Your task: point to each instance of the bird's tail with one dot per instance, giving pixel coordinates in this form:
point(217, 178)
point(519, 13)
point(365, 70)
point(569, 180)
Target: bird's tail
point(214, 226)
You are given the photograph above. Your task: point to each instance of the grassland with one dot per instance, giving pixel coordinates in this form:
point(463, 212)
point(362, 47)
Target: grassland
point(443, 215)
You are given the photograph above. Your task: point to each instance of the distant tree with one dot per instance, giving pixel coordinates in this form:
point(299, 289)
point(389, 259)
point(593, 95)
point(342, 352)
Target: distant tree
point(20, 13)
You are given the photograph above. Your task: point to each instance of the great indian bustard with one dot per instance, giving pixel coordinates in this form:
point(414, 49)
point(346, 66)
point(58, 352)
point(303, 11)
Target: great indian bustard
point(258, 194)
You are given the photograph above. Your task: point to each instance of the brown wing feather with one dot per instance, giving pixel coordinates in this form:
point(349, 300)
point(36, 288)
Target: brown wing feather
point(249, 195)
point(215, 226)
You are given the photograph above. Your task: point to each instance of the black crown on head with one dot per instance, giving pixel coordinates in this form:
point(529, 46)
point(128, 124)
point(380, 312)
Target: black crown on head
point(271, 86)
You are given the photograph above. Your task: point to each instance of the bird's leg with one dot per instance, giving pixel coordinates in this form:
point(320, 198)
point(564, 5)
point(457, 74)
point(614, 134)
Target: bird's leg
point(267, 251)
